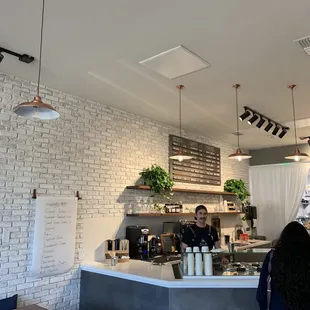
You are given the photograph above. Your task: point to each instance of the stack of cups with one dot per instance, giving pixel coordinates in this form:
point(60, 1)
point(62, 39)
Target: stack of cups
point(190, 262)
point(198, 261)
point(207, 261)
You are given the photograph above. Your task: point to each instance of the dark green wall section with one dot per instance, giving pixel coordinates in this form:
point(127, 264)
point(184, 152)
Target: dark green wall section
point(275, 155)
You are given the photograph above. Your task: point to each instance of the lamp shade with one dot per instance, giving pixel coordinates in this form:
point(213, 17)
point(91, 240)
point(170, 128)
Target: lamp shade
point(297, 155)
point(180, 157)
point(239, 155)
point(36, 109)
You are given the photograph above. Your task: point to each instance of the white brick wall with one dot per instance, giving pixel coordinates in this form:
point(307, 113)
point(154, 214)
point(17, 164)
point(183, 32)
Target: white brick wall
point(92, 148)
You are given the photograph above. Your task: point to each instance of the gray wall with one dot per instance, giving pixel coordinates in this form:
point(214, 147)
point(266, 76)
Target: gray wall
point(275, 155)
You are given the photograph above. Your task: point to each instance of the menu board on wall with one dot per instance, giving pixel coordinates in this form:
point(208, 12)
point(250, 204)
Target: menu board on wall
point(203, 168)
point(54, 236)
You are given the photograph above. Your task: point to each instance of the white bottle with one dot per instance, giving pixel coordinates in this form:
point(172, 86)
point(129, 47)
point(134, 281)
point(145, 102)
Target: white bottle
point(208, 264)
point(198, 264)
point(185, 263)
point(204, 250)
point(190, 262)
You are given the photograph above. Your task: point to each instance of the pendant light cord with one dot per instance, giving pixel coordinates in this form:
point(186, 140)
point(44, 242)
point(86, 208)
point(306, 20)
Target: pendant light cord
point(41, 44)
point(180, 87)
point(180, 109)
point(293, 103)
point(237, 113)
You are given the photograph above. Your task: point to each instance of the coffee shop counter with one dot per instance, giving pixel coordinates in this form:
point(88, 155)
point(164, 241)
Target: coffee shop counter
point(141, 285)
point(145, 272)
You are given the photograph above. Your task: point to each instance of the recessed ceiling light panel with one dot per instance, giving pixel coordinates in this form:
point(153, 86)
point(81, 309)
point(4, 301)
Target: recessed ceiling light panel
point(175, 63)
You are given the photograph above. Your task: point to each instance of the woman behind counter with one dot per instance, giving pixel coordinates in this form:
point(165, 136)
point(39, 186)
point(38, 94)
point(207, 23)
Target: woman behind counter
point(290, 272)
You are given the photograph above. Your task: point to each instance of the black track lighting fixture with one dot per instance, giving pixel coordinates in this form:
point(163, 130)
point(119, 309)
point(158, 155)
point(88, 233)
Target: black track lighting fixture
point(306, 138)
point(244, 115)
point(21, 57)
point(260, 123)
point(268, 127)
point(275, 130)
point(262, 120)
point(283, 133)
point(252, 119)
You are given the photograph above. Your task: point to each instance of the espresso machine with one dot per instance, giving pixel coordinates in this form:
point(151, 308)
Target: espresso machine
point(138, 241)
point(155, 248)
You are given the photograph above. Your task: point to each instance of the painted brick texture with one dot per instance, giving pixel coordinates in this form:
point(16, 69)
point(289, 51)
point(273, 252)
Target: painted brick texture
point(92, 148)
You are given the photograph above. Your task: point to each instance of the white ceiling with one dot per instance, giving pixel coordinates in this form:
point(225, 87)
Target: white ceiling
point(92, 49)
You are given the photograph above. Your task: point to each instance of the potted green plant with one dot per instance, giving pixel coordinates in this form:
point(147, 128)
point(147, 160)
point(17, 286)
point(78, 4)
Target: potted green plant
point(237, 187)
point(159, 181)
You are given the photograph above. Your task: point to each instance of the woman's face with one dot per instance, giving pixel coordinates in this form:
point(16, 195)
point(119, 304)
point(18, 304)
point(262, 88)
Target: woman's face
point(201, 216)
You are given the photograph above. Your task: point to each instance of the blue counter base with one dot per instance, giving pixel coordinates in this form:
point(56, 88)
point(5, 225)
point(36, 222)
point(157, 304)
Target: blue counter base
point(100, 292)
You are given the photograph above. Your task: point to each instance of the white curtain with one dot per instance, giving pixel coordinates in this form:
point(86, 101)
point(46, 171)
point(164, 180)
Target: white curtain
point(276, 191)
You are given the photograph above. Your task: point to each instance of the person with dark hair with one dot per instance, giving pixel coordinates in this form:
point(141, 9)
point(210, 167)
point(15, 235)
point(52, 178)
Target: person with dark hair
point(284, 282)
point(200, 234)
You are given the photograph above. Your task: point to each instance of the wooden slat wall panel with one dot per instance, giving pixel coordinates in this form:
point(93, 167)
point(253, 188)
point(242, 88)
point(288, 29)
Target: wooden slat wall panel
point(204, 168)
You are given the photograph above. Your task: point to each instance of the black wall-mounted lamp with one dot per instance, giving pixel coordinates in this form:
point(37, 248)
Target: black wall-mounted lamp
point(21, 57)
point(254, 116)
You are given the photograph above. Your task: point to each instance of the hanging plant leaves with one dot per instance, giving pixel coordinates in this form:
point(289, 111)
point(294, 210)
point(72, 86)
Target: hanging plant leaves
point(159, 180)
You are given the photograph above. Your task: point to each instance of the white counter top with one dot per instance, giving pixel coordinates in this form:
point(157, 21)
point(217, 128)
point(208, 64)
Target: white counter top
point(145, 272)
point(252, 244)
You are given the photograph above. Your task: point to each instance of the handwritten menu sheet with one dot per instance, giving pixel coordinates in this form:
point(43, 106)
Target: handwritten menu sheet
point(203, 168)
point(54, 236)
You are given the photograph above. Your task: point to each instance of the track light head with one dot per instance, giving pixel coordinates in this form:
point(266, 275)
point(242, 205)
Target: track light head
point(283, 133)
point(275, 130)
point(26, 58)
point(244, 115)
point(252, 119)
point(21, 57)
point(268, 127)
point(260, 123)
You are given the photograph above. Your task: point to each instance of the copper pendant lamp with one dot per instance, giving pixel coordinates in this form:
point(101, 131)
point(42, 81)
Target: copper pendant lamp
point(239, 154)
point(36, 109)
point(296, 155)
point(180, 156)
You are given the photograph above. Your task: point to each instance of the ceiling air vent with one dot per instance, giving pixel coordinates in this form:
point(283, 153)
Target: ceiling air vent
point(304, 43)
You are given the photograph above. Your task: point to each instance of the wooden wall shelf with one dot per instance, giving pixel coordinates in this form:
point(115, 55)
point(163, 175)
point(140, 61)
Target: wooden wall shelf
point(179, 214)
point(184, 190)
